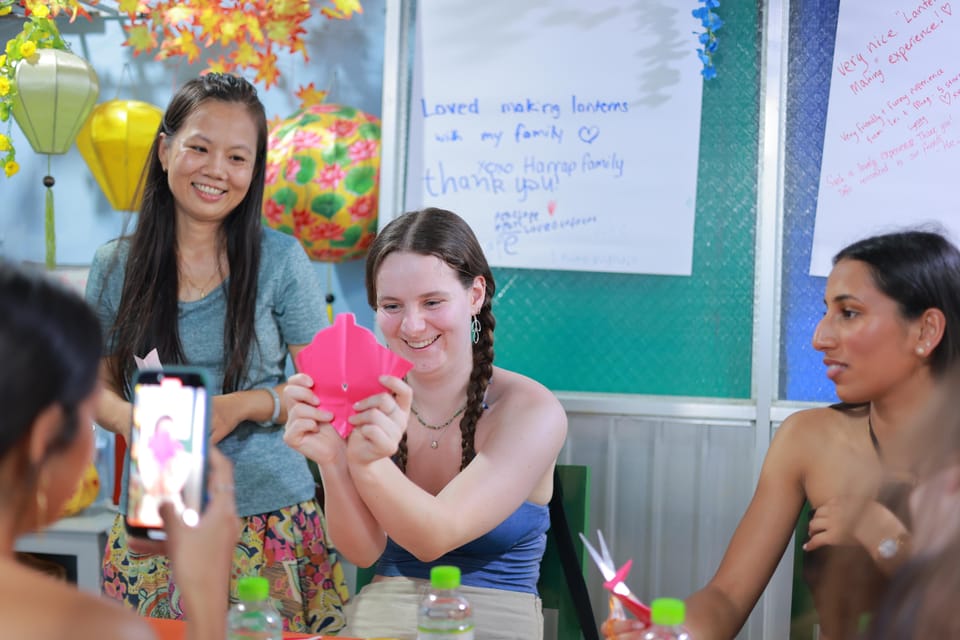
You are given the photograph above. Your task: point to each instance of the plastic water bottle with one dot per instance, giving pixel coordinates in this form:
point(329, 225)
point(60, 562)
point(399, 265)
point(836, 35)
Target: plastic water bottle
point(444, 613)
point(254, 618)
point(666, 616)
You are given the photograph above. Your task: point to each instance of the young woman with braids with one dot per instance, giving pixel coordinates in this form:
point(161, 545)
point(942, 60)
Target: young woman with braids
point(453, 464)
point(202, 282)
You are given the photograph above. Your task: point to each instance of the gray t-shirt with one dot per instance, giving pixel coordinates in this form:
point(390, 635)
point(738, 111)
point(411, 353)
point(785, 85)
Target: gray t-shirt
point(289, 310)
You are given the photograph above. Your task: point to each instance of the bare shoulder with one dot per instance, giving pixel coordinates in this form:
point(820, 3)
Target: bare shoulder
point(48, 608)
point(512, 388)
point(817, 426)
point(514, 398)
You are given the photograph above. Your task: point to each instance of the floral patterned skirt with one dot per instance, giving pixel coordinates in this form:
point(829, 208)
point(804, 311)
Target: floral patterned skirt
point(287, 546)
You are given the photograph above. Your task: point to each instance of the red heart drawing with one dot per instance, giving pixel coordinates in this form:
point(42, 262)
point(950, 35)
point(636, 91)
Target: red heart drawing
point(551, 206)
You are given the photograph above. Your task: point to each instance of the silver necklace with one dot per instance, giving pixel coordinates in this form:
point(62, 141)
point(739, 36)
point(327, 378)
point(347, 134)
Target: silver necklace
point(435, 442)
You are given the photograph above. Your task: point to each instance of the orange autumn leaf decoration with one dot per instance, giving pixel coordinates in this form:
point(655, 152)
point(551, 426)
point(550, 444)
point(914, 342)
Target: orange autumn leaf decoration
point(237, 34)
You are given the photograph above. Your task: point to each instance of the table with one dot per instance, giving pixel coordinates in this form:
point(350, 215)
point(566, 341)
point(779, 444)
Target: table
point(82, 537)
point(175, 630)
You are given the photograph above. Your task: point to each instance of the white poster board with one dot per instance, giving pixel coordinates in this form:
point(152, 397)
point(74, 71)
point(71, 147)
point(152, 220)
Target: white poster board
point(566, 133)
point(891, 150)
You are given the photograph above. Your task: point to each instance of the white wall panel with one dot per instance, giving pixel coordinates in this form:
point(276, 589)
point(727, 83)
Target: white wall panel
point(668, 492)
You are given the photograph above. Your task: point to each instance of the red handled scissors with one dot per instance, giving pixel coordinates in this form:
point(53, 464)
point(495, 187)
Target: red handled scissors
point(615, 578)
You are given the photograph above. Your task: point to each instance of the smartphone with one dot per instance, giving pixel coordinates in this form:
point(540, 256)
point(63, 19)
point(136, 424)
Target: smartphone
point(169, 436)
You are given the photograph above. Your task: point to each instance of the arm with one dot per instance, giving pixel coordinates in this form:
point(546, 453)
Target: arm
point(861, 521)
point(526, 428)
point(113, 412)
point(723, 605)
point(231, 409)
point(350, 525)
point(202, 556)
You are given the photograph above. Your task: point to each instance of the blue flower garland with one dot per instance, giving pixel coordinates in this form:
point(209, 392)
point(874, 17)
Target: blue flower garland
point(711, 23)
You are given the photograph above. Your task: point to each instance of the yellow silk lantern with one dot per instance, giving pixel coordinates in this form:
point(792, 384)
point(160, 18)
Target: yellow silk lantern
point(56, 90)
point(323, 169)
point(115, 142)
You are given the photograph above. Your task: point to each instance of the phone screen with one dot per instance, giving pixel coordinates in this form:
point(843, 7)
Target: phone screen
point(167, 449)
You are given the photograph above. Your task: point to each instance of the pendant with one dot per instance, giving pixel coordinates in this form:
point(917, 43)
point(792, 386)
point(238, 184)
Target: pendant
point(433, 445)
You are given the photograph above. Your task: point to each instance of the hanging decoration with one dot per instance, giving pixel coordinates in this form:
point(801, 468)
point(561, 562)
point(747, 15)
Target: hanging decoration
point(115, 142)
point(39, 32)
point(323, 168)
point(248, 34)
point(708, 40)
point(50, 93)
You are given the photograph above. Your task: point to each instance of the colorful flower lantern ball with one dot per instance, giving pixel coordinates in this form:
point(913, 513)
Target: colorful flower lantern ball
point(323, 170)
point(115, 142)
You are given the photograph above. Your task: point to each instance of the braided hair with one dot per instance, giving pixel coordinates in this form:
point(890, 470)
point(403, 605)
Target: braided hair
point(444, 234)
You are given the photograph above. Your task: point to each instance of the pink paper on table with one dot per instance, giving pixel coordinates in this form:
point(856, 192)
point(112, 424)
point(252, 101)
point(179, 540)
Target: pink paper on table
point(345, 362)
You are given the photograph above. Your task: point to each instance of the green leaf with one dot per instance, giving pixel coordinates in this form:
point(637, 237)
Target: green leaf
point(351, 235)
point(337, 154)
point(360, 180)
point(327, 204)
point(308, 169)
point(286, 197)
point(369, 131)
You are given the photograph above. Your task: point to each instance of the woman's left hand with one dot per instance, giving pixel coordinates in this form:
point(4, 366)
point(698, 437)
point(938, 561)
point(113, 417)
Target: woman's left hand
point(837, 521)
point(380, 422)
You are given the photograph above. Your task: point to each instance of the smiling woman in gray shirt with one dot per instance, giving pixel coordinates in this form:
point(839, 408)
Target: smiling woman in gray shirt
point(203, 282)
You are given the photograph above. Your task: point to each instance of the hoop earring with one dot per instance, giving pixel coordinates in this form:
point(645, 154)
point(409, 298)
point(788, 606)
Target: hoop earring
point(475, 330)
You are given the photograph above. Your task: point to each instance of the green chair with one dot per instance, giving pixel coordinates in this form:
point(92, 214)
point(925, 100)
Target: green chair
point(574, 487)
point(803, 613)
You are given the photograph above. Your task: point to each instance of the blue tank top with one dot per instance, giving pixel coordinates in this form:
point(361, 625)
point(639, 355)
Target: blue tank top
point(508, 557)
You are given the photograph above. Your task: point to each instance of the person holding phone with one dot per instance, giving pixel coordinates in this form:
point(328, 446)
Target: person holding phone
point(889, 334)
point(50, 345)
point(451, 465)
point(202, 282)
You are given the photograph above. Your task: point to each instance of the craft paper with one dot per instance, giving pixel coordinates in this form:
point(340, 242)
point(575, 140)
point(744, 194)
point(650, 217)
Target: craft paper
point(149, 361)
point(346, 362)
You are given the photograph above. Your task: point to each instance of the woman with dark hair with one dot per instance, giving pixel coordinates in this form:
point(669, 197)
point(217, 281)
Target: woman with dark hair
point(890, 331)
point(451, 465)
point(203, 283)
point(50, 346)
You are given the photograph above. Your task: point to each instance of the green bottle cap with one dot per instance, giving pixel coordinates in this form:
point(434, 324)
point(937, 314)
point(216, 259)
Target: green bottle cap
point(667, 612)
point(253, 588)
point(445, 577)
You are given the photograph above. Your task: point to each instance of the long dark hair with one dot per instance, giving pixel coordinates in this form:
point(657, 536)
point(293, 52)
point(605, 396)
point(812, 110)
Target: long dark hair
point(444, 234)
point(147, 313)
point(919, 270)
point(50, 347)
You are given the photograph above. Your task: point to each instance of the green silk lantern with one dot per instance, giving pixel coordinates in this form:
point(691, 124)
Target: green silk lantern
point(55, 92)
point(115, 142)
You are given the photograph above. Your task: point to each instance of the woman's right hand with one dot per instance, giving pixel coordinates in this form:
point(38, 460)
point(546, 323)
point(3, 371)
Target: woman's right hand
point(309, 429)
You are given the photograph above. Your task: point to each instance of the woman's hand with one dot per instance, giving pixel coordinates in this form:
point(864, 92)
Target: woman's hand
point(224, 418)
point(836, 522)
point(309, 429)
point(620, 629)
point(380, 422)
point(202, 555)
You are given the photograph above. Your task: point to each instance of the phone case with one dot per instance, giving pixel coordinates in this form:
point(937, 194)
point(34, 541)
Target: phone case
point(167, 457)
